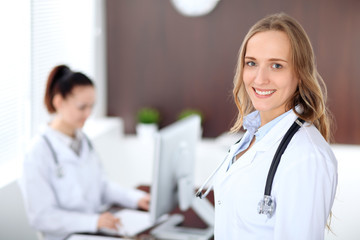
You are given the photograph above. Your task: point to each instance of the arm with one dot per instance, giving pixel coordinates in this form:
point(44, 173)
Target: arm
point(41, 204)
point(305, 193)
point(113, 193)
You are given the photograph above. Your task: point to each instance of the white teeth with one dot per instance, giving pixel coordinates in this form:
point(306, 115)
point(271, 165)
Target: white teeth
point(263, 93)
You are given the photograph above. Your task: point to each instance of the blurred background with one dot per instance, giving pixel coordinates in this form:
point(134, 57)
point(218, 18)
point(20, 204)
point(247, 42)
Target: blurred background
point(158, 57)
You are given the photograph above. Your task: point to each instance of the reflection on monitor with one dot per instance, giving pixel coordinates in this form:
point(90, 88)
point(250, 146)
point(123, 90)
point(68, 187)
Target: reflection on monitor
point(175, 150)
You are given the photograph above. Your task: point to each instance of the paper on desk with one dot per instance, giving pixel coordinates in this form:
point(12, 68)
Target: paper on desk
point(132, 223)
point(91, 237)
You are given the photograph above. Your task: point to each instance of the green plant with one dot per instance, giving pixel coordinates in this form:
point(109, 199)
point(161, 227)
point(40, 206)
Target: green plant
point(148, 115)
point(188, 112)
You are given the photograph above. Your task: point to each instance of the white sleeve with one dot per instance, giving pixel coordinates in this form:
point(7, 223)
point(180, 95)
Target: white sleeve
point(304, 193)
point(40, 200)
point(113, 193)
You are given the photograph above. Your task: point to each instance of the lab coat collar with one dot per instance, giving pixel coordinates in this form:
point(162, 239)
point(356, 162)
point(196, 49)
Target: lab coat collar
point(269, 141)
point(252, 122)
point(73, 143)
point(63, 150)
point(276, 133)
point(273, 137)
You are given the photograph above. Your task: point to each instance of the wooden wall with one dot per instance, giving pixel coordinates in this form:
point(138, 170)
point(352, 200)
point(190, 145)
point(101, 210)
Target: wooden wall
point(159, 58)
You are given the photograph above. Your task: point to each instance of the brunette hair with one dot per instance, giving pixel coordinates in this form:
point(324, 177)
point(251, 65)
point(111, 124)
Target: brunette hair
point(311, 92)
point(62, 80)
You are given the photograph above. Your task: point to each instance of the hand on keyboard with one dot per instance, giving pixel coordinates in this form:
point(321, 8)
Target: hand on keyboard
point(108, 221)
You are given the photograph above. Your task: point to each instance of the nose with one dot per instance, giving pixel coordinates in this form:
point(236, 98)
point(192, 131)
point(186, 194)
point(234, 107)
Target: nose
point(262, 76)
point(88, 112)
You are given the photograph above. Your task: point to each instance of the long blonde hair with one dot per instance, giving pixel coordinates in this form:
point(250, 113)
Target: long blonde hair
point(311, 92)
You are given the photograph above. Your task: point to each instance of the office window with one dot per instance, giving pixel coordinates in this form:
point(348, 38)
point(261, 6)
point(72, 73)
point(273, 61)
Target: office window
point(14, 84)
point(36, 36)
point(62, 32)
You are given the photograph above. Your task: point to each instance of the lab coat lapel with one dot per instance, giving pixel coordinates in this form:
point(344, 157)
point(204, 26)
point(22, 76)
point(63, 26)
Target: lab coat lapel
point(243, 162)
point(223, 170)
point(273, 137)
point(85, 150)
point(64, 153)
point(276, 134)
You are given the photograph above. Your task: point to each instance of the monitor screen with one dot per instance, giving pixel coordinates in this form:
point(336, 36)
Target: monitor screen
point(175, 147)
point(173, 179)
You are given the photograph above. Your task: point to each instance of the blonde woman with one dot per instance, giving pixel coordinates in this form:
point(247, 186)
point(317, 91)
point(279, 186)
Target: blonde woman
point(277, 88)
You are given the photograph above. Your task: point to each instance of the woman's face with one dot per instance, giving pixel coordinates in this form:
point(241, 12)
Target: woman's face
point(268, 74)
point(77, 106)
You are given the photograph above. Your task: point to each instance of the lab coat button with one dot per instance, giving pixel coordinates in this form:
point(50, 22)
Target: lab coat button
point(219, 202)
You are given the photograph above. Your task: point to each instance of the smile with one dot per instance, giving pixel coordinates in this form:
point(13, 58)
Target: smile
point(264, 93)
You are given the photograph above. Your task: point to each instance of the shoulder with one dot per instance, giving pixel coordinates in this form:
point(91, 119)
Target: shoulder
point(37, 149)
point(310, 138)
point(308, 147)
point(37, 144)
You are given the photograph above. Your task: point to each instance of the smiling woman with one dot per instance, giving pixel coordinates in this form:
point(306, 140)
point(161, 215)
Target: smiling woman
point(282, 107)
point(269, 76)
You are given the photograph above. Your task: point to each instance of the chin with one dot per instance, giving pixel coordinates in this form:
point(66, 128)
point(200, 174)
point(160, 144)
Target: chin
point(80, 125)
point(262, 107)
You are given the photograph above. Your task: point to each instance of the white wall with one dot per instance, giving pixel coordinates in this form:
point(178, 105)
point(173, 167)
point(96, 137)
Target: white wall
point(345, 221)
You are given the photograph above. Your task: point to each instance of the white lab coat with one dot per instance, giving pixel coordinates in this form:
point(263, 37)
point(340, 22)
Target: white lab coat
point(59, 206)
point(304, 188)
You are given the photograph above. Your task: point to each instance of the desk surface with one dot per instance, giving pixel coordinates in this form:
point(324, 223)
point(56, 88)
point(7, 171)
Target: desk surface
point(190, 219)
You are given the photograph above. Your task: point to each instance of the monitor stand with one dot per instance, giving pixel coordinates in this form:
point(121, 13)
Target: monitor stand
point(169, 229)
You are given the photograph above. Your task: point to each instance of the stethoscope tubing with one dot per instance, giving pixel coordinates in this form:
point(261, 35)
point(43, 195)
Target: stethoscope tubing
point(199, 192)
point(276, 160)
point(59, 169)
point(274, 164)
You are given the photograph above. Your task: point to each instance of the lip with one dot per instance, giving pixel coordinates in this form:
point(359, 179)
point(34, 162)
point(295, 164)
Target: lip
point(263, 93)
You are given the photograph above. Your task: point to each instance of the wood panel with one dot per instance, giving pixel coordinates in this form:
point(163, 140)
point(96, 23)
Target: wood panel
point(159, 58)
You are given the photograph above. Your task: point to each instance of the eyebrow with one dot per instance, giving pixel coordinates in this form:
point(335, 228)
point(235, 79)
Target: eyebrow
point(271, 59)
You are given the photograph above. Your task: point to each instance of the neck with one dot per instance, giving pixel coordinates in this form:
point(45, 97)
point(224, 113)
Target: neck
point(268, 117)
point(61, 126)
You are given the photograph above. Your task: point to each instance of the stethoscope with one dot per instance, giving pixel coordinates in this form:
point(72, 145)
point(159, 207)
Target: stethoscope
point(59, 169)
point(267, 203)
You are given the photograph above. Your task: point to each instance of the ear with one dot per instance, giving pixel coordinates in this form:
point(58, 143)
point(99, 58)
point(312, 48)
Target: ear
point(57, 101)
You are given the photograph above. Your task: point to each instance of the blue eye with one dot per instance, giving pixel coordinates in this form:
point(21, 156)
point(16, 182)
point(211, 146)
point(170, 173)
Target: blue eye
point(250, 64)
point(276, 65)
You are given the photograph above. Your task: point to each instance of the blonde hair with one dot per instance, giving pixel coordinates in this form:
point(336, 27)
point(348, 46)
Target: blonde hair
point(311, 92)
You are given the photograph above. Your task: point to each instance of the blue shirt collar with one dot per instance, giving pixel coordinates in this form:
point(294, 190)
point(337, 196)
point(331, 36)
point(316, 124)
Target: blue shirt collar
point(252, 123)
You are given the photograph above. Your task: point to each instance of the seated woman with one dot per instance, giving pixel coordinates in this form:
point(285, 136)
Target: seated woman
point(63, 183)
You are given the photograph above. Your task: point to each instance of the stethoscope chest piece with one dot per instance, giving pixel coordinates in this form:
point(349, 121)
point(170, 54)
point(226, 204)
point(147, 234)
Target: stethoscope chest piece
point(267, 206)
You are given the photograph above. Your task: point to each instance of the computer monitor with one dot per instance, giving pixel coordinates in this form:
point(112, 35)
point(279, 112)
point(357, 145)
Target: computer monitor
point(173, 181)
